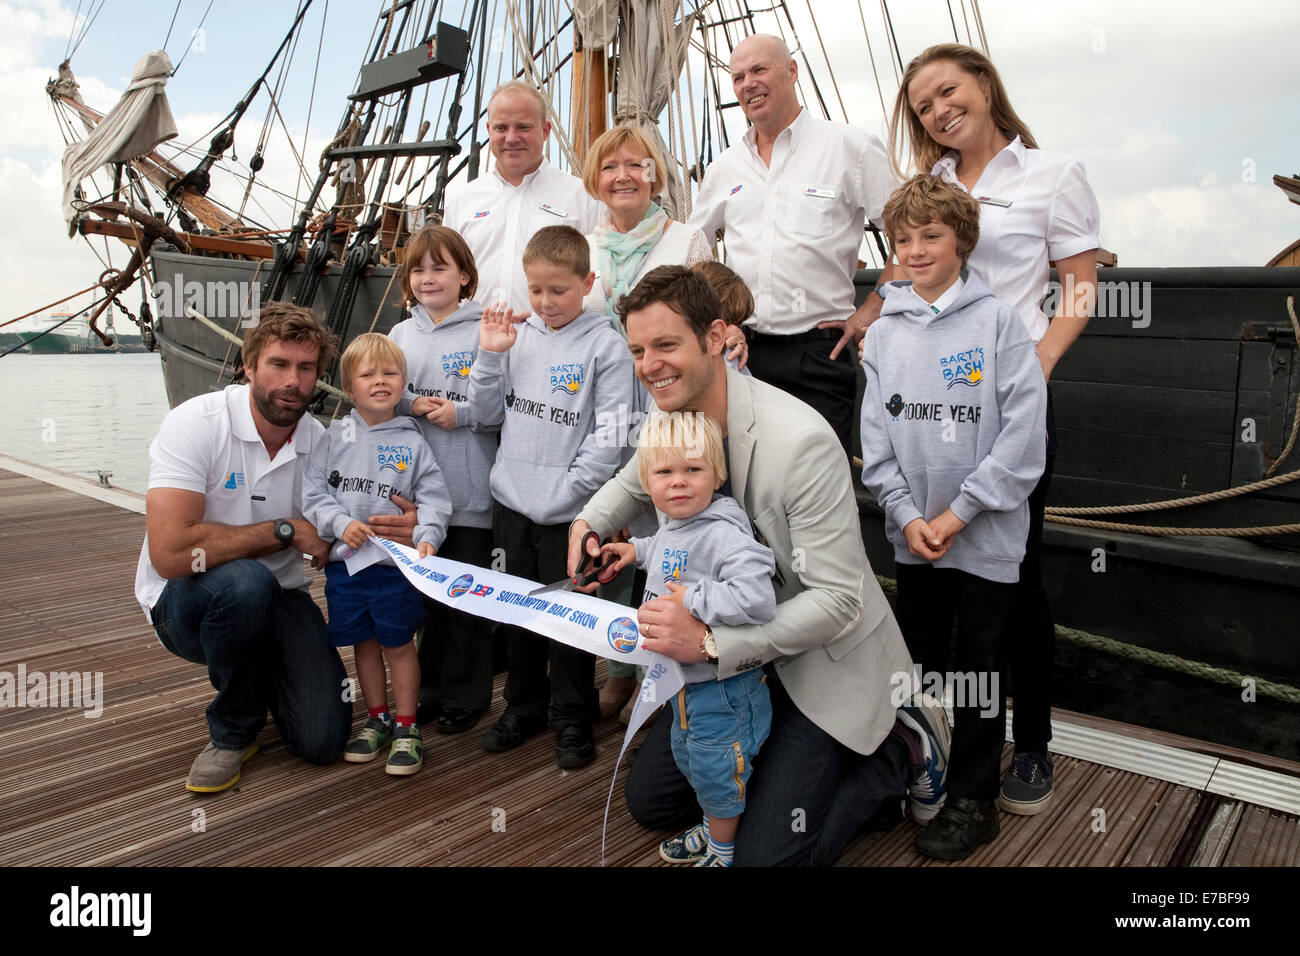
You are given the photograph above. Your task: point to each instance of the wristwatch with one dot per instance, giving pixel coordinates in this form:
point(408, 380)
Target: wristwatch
point(283, 529)
point(709, 646)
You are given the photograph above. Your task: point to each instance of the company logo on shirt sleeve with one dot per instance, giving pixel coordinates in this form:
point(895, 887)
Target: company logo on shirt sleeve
point(395, 458)
point(456, 365)
point(963, 368)
point(567, 378)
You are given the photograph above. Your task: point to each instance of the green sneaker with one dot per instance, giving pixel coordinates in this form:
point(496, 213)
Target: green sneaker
point(687, 847)
point(407, 754)
point(365, 746)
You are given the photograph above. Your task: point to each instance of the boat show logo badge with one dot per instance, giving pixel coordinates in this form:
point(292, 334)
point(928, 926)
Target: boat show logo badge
point(567, 378)
point(963, 368)
point(623, 635)
point(395, 458)
point(234, 480)
point(456, 365)
point(461, 585)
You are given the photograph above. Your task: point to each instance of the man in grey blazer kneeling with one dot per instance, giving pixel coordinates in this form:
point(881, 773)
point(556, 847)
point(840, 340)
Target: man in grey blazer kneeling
point(841, 754)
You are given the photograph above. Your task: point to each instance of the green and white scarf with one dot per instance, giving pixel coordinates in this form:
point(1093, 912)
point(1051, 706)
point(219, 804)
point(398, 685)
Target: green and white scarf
point(621, 253)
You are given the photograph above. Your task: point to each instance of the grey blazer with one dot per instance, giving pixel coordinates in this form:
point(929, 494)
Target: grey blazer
point(834, 640)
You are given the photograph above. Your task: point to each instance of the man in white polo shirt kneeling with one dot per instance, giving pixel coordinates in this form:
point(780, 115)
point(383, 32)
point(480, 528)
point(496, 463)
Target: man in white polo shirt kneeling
point(221, 573)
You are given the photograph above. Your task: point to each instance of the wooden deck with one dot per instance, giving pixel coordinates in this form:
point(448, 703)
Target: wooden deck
point(108, 790)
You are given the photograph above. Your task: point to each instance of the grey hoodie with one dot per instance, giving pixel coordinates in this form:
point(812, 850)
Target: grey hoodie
point(557, 396)
point(727, 574)
point(954, 416)
point(355, 467)
point(438, 362)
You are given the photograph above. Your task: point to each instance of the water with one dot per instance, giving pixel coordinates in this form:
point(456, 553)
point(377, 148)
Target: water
point(81, 414)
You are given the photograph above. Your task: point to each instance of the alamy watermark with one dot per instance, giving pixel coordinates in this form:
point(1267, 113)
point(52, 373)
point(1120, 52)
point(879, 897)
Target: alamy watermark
point(68, 689)
point(980, 689)
point(1108, 300)
point(211, 298)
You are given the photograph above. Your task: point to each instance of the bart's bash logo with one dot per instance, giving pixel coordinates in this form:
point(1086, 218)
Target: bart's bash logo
point(963, 368)
point(674, 563)
point(395, 458)
point(234, 480)
point(456, 365)
point(460, 585)
point(894, 405)
point(623, 635)
point(567, 378)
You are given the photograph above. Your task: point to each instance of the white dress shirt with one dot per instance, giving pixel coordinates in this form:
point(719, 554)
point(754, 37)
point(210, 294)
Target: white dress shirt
point(210, 445)
point(1035, 206)
point(497, 219)
point(794, 229)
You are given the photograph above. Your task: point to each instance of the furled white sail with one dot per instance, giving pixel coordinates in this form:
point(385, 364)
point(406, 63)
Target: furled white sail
point(139, 121)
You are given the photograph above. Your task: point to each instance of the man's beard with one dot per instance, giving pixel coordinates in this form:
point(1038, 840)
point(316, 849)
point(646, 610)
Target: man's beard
point(274, 412)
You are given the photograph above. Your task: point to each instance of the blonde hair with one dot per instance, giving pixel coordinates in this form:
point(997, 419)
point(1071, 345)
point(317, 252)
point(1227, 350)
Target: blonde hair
point(560, 246)
point(443, 245)
point(925, 199)
point(608, 142)
point(369, 347)
point(674, 436)
point(905, 128)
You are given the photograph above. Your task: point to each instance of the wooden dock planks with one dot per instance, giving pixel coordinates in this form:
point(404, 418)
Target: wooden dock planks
point(107, 791)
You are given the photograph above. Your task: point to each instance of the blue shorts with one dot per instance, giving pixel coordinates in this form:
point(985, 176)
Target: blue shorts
point(714, 744)
point(375, 602)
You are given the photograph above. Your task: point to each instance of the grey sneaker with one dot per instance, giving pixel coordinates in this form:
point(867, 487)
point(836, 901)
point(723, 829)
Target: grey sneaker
point(365, 746)
point(1027, 787)
point(688, 847)
point(407, 755)
point(215, 769)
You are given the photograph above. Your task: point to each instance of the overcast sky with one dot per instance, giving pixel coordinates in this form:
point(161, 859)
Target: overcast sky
point(1181, 111)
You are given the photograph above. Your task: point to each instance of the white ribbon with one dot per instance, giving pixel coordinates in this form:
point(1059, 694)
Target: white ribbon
point(580, 620)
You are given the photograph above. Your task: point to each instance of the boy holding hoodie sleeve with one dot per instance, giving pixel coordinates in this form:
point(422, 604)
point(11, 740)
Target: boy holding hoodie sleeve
point(953, 420)
point(360, 463)
point(440, 341)
point(559, 384)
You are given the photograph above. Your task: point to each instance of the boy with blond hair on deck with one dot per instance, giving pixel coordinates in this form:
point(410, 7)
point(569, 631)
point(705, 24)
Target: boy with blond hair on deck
point(361, 462)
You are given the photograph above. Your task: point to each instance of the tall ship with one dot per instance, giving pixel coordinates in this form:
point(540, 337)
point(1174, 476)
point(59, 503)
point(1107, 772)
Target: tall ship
point(1176, 505)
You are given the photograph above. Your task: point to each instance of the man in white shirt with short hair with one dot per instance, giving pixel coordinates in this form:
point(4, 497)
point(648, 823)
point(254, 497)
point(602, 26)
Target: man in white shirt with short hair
point(498, 212)
point(220, 574)
point(793, 198)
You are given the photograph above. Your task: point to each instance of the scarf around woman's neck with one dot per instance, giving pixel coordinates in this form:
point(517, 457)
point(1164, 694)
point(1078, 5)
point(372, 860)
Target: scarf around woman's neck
point(621, 253)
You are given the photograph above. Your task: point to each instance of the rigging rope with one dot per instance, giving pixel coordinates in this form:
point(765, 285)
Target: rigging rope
point(875, 74)
point(194, 34)
point(172, 24)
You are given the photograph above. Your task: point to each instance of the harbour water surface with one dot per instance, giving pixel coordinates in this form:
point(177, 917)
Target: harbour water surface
point(82, 414)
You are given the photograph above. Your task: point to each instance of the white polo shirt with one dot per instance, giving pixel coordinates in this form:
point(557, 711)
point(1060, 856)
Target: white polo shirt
point(1035, 206)
point(794, 230)
point(497, 219)
point(210, 445)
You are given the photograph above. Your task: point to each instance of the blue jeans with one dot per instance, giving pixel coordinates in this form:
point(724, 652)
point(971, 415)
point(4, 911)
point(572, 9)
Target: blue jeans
point(265, 648)
point(803, 768)
point(718, 726)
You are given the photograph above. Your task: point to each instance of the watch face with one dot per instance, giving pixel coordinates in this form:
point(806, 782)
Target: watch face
point(284, 530)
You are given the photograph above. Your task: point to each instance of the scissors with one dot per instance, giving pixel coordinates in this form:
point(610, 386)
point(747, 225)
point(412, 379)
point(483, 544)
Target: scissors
point(590, 569)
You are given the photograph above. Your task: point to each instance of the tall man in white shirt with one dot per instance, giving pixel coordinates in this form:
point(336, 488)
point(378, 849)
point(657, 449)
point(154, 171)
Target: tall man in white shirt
point(794, 197)
point(498, 212)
